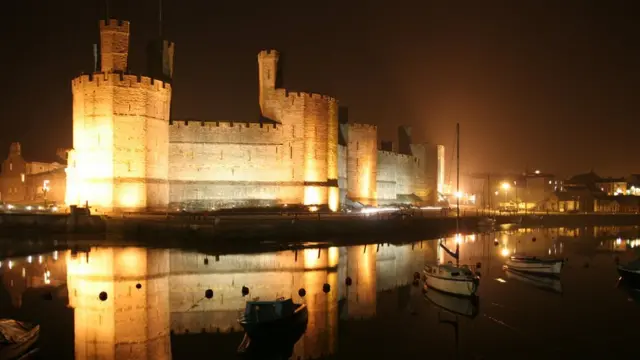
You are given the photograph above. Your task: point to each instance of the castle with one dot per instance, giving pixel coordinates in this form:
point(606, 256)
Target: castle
point(129, 154)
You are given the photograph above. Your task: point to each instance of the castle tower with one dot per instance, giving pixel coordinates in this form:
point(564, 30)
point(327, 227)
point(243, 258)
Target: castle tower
point(114, 45)
point(132, 319)
point(160, 59)
point(119, 160)
point(267, 75)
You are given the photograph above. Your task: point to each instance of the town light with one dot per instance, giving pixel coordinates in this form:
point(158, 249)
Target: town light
point(537, 172)
point(458, 194)
point(506, 185)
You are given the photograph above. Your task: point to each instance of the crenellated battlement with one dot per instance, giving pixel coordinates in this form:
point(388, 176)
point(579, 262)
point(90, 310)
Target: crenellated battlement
point(363, 126)
point(306, 96)
point(115, 25)
point(393, 154)
point(121, 80)
point(268, 53)
point(241, 125)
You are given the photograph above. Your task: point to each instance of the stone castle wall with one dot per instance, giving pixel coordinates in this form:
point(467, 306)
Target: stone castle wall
point(362, 159)
point(121, 142)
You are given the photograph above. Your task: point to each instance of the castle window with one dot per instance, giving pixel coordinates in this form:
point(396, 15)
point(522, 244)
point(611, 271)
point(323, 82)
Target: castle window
point(268, 74)
point(22, 177)
point(293, 131)
point(290, 152)
point(10, 166)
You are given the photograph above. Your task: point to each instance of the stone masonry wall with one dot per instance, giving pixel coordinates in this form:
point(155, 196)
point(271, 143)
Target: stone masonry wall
point(386, 176)
point(121, 141)
point(362, 161)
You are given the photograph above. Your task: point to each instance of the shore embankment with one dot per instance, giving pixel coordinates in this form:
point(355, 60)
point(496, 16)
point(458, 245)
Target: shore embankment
point(186, 229)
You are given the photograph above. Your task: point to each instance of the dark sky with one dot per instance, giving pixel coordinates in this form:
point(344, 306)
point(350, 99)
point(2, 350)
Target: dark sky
point(548, 84)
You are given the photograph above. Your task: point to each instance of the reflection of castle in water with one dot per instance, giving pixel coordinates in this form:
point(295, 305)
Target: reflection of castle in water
point(152, 293)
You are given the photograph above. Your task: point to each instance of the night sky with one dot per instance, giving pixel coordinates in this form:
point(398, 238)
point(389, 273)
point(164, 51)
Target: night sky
point(548, 84)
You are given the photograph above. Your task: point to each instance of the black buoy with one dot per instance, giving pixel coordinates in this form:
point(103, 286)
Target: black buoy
point(478, 265)
point(245, 291)
point(206, 261)
point(326, 288)
point(302, 292)
point(102, 296)
point(208, 293)
point(348, 281)
point(138, 286)
point(533, 239)
point(496, 242)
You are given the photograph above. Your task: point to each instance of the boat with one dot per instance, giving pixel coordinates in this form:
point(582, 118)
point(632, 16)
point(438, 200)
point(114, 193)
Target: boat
point(486, 222)
point(465, 306)
point(533, 264)
point(450, 279)
point(266, 321)
point(630, 273)
point(543, 282)
point(456, 280)
point(17, 338)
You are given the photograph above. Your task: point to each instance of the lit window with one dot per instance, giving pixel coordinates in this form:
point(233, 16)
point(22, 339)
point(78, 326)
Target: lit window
point(22, 177)
point(10, 166)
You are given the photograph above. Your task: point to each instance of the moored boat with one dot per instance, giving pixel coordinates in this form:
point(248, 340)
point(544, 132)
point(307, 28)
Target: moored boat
point(486, 222)
point(269, 320)
point(16, 338)
point(455, 280)
point(630, 273)
point(533, 264)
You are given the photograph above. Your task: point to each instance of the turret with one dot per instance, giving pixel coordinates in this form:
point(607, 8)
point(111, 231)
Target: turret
point(267, 74)
point(160, 59)
point(114, 45)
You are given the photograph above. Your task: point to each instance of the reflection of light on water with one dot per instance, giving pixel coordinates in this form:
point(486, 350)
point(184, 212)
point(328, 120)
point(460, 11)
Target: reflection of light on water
point(55, 255)
point(458, 238)
point(29, 259)
point(618, 241)
point(504, 252)
point(47, 277)
point(549, 251)
point(334, 255)
point(501, 280)
point(10, 264)
point(40, 259)
point(472, 237)
point(24, 272)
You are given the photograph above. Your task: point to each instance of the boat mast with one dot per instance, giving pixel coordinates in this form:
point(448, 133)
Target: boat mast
point(457, 191)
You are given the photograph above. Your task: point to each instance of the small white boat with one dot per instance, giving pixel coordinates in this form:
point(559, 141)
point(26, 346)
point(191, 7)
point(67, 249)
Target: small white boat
point(630, 273)
point(456, 280)
point(534, 264)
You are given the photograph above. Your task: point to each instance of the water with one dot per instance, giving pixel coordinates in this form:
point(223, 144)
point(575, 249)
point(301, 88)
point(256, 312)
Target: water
point(155, 306)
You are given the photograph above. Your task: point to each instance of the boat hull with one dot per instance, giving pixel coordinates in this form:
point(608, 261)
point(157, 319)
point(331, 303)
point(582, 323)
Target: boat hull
point(545, 282)
point(459, 287)
point(465, 306)
point(263, 332)
point(538, 267)
point(630, 277)
point(23, 336)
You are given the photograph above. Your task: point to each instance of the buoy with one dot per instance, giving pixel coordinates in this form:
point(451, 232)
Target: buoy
point(102, 296)
point(348, 281)
point(533, 239)
point(302, 292)
point(208, 293)
point(496, 242)
point(138, 286)
point(326, 288)
point(245, 291)
point(478, 265)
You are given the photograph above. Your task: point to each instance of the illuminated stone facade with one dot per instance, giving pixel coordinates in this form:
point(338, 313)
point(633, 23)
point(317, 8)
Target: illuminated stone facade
point(129, 155)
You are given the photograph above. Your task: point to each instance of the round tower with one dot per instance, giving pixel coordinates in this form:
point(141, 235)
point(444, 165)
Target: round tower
point(120, 151)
